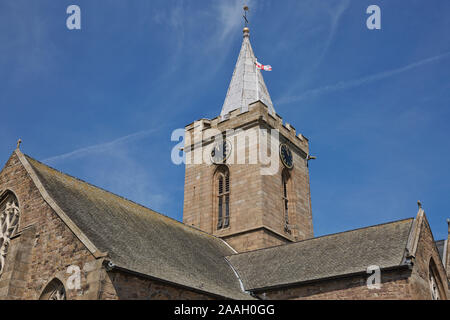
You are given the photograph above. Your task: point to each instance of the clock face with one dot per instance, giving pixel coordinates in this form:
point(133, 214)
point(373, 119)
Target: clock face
point(286, 156)
point(221, 151)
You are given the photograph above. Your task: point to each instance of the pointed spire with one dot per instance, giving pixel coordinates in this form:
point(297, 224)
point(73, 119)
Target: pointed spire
point(247, 84)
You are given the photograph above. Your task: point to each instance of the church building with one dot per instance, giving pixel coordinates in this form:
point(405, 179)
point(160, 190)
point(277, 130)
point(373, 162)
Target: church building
point(247, 230)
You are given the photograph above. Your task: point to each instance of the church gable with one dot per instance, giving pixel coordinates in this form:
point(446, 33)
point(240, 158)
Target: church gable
point(42, 246)
point(428, 279)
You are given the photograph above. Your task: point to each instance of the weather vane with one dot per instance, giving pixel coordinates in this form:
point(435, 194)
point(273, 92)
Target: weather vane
point(245, 15)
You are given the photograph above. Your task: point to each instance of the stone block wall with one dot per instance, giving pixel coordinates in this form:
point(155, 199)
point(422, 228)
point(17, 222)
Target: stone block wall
point(255, 239)
point(427, 252)
point(44, 247)
point(256, 200)
point(447, 260)
point(118, 285)
point(394, 285)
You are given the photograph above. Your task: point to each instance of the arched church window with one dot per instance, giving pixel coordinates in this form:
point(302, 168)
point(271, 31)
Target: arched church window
point(222, 185)
point(54, 291)
point(433, 282)
point(285, 176)
point(9, 222)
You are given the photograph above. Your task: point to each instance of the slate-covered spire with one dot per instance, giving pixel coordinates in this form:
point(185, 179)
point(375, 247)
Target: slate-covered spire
point(247, 84)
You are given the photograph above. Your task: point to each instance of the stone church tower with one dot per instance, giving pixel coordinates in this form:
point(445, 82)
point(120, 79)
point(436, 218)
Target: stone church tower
point(247, 178)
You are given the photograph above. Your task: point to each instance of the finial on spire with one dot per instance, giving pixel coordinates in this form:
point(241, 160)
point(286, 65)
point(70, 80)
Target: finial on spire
point(246, 9)
point(241, 94)
point(246, 29)
point(419, 203)
point(18, 143)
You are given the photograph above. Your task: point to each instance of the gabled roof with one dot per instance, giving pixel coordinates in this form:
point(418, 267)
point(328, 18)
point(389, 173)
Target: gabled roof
point(136, 238)
point(139, 240)
point(324, 257)
point(247, 84)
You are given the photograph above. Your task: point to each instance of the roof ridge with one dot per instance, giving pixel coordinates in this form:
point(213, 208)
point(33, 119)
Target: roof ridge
point(121, 197)
point(324, 236)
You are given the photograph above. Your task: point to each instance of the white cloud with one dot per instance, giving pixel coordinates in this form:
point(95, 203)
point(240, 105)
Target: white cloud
point(230, 16)
point(113, 166)
point(358, 82)
point(98, 148)
point(335, 16)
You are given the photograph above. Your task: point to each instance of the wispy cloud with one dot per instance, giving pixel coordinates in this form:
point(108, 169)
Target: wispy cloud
point(321, 20)
point(335, 16)
point(358, 82)
point(175, 19)
point(196, 32)
point(131, 178)
point(230, 16)
point(98, 148)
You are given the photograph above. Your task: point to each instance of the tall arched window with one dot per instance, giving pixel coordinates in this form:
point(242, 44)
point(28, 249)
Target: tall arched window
point(9, 222)
point(285, 197)
point(434, 282)
point(222, 185)
point(54, 291)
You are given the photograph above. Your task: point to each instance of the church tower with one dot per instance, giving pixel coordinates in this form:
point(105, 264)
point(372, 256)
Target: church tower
point(247, 178)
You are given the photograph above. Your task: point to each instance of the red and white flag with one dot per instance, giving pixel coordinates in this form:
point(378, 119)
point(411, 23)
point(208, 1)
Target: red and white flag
point(263, 67)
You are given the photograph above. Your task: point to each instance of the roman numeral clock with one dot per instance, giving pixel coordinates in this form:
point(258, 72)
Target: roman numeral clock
point(286, 156)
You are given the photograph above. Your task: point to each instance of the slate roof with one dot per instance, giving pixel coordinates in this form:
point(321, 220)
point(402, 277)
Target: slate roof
point(141, 240)
point(247, 84)
point(324, 257)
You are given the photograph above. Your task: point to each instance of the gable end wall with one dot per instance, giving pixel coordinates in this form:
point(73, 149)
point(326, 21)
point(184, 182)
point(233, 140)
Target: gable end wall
point(44, 247)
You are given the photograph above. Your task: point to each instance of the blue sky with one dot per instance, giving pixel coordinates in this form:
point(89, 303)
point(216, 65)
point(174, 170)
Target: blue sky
point(101, 103)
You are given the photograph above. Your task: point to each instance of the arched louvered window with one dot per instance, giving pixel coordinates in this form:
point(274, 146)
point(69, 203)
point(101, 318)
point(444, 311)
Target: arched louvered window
point(54, 291)
point(222, 185)
point(9, 222)
point(285, 176)
point(434, 282)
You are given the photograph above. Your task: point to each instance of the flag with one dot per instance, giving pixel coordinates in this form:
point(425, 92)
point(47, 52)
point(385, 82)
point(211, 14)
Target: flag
point(263, 67)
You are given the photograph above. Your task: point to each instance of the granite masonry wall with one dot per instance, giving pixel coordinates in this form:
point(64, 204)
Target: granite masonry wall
point(256, 200)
